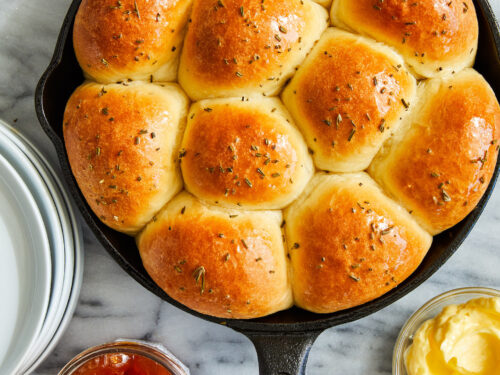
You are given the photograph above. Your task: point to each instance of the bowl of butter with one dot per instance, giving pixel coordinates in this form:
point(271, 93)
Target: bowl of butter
point(455, 333)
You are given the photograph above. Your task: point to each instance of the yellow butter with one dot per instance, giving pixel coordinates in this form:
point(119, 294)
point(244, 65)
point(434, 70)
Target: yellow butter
point(461, 340)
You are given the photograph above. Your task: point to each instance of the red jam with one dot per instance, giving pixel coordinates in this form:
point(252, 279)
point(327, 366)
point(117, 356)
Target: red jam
point(121, 364)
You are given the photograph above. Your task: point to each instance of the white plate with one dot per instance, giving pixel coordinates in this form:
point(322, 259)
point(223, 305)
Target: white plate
point(73, 248)
point(43, 197)
point(25, 279)
point(72, 303)
point(73, 231)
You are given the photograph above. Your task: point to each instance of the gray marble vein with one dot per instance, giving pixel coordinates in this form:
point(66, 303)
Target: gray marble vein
point(113, 305)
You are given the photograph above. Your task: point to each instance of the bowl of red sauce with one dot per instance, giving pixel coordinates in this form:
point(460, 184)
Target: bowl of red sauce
point(125, 358)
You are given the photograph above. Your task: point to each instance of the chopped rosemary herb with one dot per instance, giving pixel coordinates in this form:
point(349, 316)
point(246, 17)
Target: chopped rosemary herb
point(445, 196)
point(386, 231)
point(354, 278)
point(136, 9)
point(339, 120)
point(382, 126)
point(353, 131)
point(199, 274)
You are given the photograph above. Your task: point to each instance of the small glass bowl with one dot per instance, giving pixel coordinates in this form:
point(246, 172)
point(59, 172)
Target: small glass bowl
point(155, 352)
point(429, 311)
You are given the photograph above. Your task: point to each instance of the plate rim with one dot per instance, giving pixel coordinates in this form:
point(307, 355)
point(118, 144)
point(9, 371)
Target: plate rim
point(43, 264)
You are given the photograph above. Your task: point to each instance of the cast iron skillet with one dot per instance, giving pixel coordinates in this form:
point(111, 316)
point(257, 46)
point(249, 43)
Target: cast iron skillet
point(282, 340)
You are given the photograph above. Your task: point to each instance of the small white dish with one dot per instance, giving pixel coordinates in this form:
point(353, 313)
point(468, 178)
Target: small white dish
point(25, 286)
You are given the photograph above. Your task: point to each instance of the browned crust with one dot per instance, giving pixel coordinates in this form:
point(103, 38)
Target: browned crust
point(443, 166)
point(237, 257)
point(115, 40)
point(235, 45)
point(349, 244)
point(237, 33)
point(238, 154)
point(348, 94)
point(119, 145)
point(427, 31)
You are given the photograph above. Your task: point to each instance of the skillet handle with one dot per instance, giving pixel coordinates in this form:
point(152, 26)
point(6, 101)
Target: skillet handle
point(283, 353)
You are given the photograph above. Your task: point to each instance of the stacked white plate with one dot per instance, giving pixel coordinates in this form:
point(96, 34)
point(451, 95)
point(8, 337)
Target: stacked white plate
point(41, 256)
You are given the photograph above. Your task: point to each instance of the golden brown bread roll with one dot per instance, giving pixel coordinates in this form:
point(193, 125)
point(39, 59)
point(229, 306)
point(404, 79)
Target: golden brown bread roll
point(236, 48)
point(441, 164)
point(349, 243)
point(122, 144)
point(244, 153)
point(225, 263)
point(434, 36)
point(347, 98)
point(130, 39)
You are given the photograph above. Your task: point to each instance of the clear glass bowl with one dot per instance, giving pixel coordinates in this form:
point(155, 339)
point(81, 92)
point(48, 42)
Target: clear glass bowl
point(152, 351)
point(429, 311)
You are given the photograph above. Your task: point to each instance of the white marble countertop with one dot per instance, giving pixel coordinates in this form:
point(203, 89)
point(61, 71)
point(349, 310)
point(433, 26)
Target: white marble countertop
point(113, 305)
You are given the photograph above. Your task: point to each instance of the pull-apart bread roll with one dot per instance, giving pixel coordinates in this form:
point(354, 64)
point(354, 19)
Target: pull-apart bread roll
point(434, 36)
point(236, 48)
point(349, 243)
point(130, 39)
point(122, 144)
point(244, 153)
point(347, 98)
point(441, 165)
point(225, 263)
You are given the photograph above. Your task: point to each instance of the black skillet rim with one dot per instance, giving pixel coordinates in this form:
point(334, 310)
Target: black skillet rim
point(255, 326)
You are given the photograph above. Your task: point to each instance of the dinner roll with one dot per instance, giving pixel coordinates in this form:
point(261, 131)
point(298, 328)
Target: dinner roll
point(236, 48)
point(347, 98)
point(130, 39)
point(245, 153)
point(434, 36)
point(225, 263)
point(441, 166)
point(122, 144)
point(349, 243)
